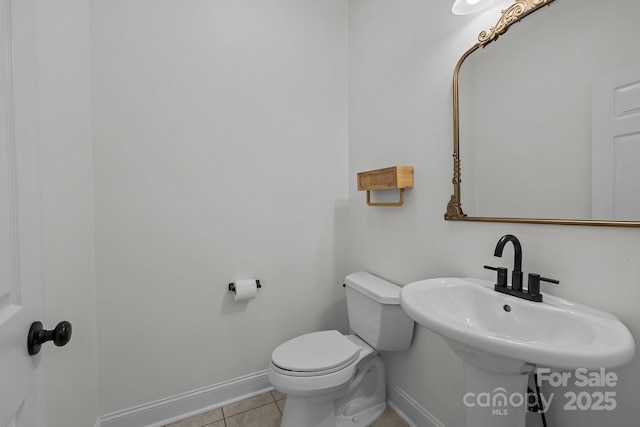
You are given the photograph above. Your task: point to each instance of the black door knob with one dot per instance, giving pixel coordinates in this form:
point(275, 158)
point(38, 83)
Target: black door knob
point(37, 336)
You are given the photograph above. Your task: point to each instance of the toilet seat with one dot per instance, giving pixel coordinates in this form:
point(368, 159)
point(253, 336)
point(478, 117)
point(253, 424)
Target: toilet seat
point(314, 354)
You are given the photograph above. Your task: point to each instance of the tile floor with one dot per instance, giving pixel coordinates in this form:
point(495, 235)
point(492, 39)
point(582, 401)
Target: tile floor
point(264, 410)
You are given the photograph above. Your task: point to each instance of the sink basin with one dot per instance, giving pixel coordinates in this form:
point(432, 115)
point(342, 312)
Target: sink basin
point(502, 339)
point(555, 333)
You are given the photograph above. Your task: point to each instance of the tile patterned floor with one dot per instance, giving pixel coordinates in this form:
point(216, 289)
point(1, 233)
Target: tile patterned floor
point(264, 410)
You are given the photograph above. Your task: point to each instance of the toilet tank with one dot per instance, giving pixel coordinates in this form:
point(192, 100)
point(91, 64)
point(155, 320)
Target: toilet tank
point(375, 314)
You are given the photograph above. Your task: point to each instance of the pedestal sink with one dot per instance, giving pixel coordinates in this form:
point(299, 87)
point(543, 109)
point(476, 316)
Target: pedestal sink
point(502, 339)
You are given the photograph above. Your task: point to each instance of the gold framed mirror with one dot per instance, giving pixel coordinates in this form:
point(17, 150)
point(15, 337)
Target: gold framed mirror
point(527, 147)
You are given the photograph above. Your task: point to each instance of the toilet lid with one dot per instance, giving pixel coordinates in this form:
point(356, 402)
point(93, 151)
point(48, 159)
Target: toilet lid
point(317, 351)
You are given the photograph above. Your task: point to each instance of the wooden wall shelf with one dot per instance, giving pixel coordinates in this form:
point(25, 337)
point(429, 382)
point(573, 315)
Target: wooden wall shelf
point(393, 178)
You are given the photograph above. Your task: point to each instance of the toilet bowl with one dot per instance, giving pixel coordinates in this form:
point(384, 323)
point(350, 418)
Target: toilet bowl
point(330, 367)
point(336, 380)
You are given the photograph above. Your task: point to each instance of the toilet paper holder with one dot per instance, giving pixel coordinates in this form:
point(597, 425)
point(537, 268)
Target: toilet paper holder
point(232, 286)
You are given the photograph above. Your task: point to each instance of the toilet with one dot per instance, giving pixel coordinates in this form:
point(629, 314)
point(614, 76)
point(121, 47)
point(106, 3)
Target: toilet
point(336, 380)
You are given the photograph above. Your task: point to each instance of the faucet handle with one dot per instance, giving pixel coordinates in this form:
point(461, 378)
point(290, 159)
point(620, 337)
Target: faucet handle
point(534, 283)
point(502, 275)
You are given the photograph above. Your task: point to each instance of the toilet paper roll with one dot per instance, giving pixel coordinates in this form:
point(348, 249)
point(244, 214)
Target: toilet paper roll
point(245, 290)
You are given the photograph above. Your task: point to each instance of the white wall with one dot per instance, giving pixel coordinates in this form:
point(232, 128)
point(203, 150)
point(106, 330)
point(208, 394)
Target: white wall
point(220, 153)
point(67, 210)
point(402, 56)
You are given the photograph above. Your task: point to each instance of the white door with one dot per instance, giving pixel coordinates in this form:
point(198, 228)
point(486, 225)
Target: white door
point(22, 402)
point(616, 145)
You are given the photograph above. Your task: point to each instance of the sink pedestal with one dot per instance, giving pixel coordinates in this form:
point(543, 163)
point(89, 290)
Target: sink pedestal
point(496, 387)
point(495, 399)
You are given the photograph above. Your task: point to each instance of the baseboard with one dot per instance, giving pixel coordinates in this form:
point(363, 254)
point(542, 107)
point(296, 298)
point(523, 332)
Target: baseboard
point(409, 410)
point(168, 410)
point(165, 411)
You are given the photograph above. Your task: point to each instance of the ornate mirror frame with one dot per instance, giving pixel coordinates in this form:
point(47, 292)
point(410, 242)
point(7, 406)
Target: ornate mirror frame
point(510, 16)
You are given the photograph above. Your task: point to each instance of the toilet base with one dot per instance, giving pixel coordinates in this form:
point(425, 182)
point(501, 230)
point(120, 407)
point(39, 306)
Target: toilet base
point(358, 404)
point(362, 419)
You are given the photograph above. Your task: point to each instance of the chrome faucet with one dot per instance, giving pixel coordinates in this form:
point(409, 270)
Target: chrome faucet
point(533, 290)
